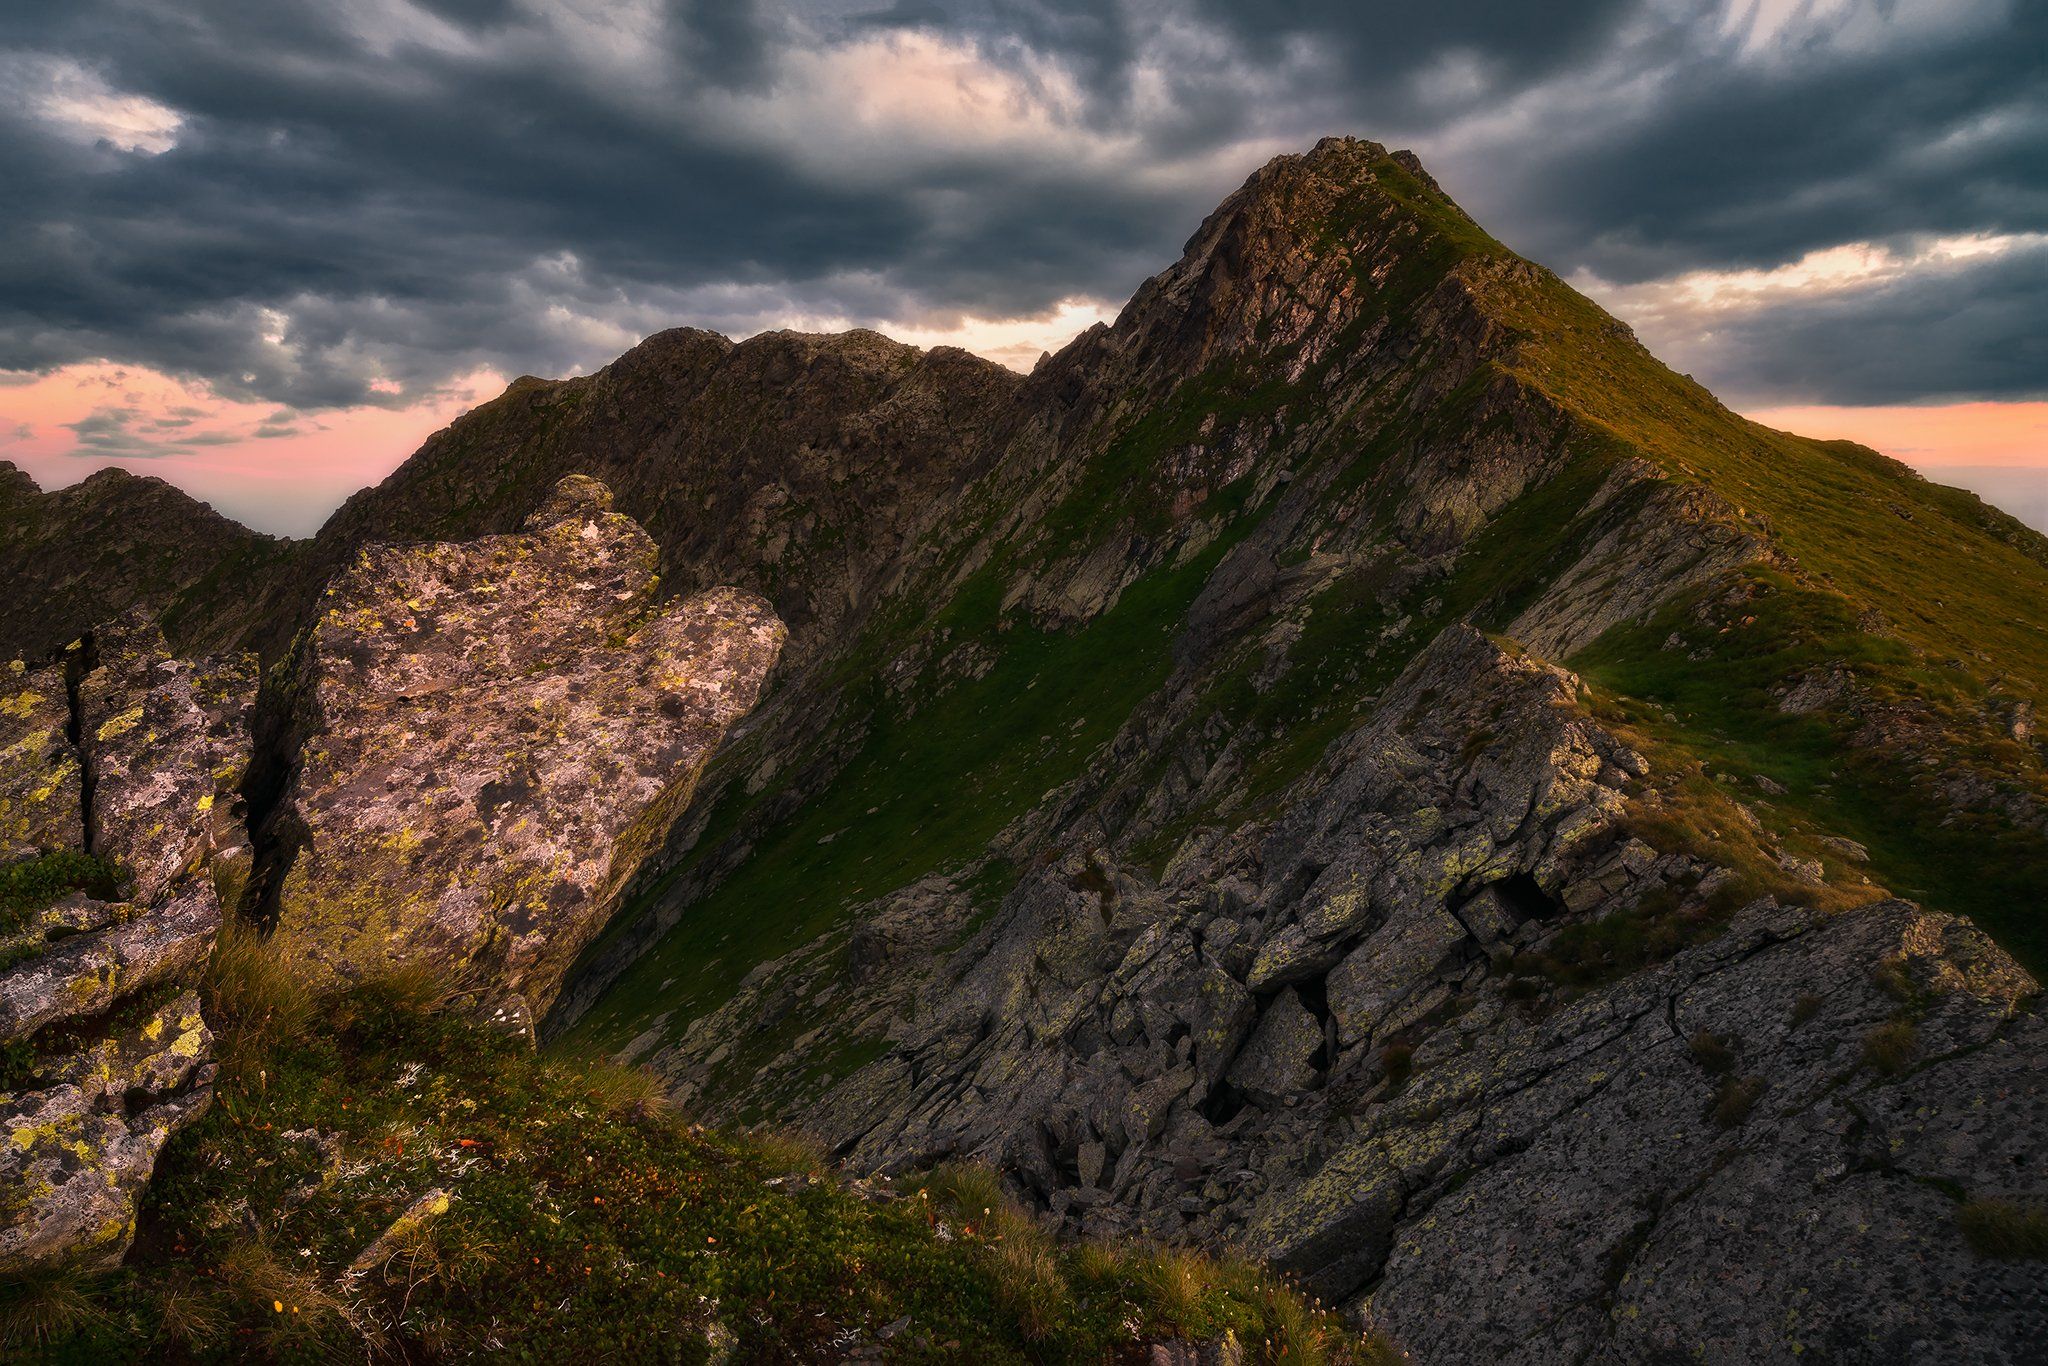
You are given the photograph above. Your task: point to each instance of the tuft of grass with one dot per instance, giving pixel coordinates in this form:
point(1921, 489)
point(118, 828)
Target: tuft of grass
point(789, 1151)
point(1713, 1053)
point(1177, 1281)
point(190, 1314)
point(1805, 1008)
point(46, 1307)
point(256, 1001)
point(1031, 1286)
point(1734, 1098)
point(290, 1308)
point(623, 1092)
point(2005, 1231)
point(1890, 1048)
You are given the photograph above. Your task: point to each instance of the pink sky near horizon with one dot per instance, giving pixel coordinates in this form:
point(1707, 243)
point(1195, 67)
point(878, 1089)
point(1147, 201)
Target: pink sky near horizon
point(302, 466)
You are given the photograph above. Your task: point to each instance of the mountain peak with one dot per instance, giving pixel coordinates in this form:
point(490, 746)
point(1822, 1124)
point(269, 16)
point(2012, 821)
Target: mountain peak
point(1309, 243)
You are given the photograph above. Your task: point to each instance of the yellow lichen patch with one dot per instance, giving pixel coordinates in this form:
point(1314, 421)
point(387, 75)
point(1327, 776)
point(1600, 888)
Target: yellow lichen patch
point(21, 704)
point(119, 725)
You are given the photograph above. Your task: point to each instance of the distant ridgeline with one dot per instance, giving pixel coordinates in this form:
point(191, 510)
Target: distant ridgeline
point(1355, 762)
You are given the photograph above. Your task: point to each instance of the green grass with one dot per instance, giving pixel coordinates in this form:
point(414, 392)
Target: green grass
point(930, 787)
point(1722, 708)
point(30, 884)
point(2005, 1231)
point(586, 1222)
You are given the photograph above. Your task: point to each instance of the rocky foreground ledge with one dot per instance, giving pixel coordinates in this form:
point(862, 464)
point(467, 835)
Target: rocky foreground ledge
point(119, 766)
point(484, 743)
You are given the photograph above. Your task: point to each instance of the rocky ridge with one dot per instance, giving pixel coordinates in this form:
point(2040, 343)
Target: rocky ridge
point(1355, 760)
point(75, 557)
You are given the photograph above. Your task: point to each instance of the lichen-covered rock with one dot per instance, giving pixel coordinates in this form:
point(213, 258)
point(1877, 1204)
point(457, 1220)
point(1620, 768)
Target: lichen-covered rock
point(167, 744)
point(81, 975)
point(78, 1148)
point(107, 1052)
point(496, 735)
point(40, 803)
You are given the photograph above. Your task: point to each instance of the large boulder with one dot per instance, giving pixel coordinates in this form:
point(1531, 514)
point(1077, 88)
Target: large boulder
point(494, 736)
point(106, 1052)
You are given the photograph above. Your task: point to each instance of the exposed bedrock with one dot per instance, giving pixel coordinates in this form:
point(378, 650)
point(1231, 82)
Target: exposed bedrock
point(492, 737)
point(1326, 1040)
point(107, 1052)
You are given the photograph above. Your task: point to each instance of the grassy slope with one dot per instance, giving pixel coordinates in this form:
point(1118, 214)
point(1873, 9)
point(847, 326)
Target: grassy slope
point(1959, 589)
point(587, 1223)
point(937, 778)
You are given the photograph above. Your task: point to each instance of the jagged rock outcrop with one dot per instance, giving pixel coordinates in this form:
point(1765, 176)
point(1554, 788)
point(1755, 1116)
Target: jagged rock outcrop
point(492, 737)
point(1331, 1040)
point(108, 1054)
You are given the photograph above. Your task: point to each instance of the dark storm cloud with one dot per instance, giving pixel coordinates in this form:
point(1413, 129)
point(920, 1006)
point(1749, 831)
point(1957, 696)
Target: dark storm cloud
point(1965, 333)
point(363, 199)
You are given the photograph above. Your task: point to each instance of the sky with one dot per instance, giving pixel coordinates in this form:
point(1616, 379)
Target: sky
point(263, 247)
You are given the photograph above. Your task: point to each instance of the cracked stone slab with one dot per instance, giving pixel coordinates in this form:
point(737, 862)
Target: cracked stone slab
point(79, 1149)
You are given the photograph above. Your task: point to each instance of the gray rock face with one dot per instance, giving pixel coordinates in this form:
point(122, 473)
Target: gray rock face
point(82, 1145)
point(494, 736)
point(110, 1053)
point(1319, 1040)
point(1587, 1185)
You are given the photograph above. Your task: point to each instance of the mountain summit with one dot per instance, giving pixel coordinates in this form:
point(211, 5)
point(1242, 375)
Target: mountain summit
point(1355, 761)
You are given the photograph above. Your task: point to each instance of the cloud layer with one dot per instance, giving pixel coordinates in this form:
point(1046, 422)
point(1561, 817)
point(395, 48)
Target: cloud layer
point(359, 202)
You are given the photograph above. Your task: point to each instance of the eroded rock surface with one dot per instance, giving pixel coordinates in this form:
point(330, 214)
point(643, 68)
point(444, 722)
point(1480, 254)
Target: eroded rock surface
point(1320, 1039)
point(494, 736)
point(108, 1054)
point(82, 1144)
